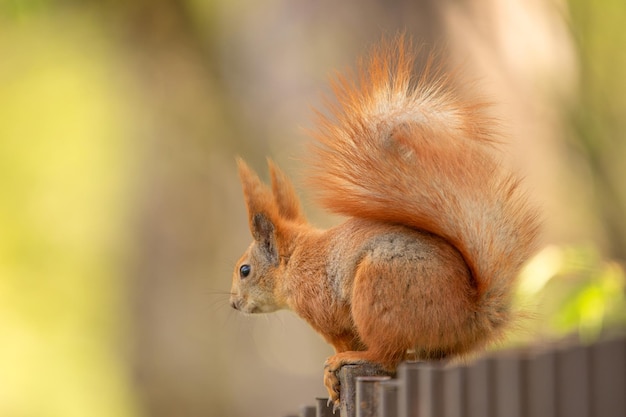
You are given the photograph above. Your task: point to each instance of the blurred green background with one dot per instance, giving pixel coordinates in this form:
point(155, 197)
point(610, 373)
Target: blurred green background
point(120, 208)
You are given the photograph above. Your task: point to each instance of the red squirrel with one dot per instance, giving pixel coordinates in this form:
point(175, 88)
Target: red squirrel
point(437, 228)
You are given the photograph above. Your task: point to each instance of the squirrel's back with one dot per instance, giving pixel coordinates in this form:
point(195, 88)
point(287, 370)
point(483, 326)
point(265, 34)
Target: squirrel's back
point(406, 150)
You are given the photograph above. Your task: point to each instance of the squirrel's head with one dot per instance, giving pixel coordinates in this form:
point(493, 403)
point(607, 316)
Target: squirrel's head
point(272, 216)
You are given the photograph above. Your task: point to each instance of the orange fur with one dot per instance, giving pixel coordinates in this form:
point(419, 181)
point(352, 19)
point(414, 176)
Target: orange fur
point(437, 231)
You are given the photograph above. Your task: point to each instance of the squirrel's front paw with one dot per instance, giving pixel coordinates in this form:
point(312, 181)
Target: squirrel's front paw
point(331, 382)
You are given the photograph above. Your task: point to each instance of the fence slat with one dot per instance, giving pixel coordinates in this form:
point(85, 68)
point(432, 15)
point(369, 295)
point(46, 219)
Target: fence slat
point(388, 398)
point(608, 378)
point(479, 383)
point(509, 390)
point(453, 391)
point(407, 389)
point(541, 384)
point(572, 382)
point(308, 410)
point(323, 409)
point(367, 395)
point(430, 390)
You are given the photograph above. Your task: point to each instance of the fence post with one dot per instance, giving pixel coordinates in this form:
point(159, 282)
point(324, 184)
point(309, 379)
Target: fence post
point(608, 378)
point(454, 391)
point(323, 409)
point(388, 398)
point(347, 384)
point(430, 390)
point(509, 391)
point(307, 411)
point(367, 395)
point(407, 389)
point(479, 383)
point(572, 381)
point(541, 384)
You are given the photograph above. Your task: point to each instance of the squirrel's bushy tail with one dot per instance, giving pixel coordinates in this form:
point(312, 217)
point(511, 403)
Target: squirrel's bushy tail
point(398, 149)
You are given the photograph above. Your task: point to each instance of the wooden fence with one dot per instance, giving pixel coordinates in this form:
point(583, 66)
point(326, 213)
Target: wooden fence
point(560, 381)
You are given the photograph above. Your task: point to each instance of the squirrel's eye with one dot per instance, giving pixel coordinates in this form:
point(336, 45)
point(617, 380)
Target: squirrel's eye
point(244, 270)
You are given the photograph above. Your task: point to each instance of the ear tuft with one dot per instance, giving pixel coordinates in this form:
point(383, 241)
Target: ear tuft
point(258, 197)
point(285, 194)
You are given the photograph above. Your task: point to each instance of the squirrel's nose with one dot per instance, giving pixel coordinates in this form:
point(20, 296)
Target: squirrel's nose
point(233, 304)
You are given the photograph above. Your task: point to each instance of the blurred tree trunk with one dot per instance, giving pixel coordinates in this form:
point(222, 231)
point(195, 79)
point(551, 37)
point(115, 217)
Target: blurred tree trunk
point(185, 126)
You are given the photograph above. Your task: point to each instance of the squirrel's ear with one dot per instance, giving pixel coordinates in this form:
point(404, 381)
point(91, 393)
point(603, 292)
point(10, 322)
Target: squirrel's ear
point(264, 233)
point(285, 194)
point(262, 211)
